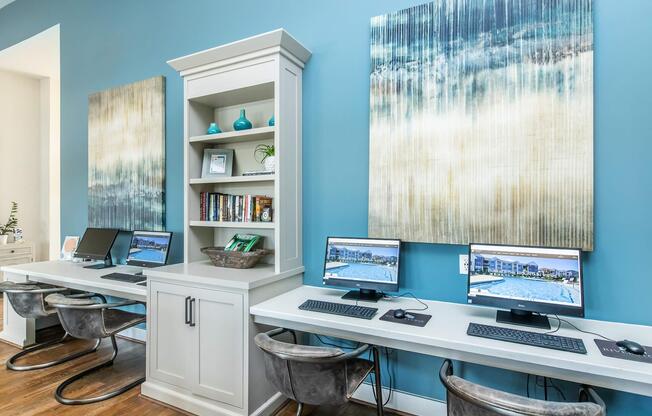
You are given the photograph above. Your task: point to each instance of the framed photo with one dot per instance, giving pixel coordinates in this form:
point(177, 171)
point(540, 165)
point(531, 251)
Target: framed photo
point(217, 162)
point(69, 247)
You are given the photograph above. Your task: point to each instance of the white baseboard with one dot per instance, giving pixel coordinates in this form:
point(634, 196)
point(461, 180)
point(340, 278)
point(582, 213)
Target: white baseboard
point(271, 406)
point(135, 333)
point(403, 402)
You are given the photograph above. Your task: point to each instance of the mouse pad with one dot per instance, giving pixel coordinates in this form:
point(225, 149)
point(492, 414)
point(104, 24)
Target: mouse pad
point(610, 349)
point(417, 319)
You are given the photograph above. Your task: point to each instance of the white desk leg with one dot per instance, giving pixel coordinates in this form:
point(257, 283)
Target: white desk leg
point(16, 329)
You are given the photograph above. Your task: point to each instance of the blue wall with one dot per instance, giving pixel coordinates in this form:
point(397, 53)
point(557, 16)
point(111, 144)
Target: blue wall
point(109, 43)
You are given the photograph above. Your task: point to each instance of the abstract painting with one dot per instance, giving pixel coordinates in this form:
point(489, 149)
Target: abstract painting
point(126, 156)
point(481, 123)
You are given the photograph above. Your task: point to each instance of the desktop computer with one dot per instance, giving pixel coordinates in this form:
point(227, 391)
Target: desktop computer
point(369, 265)
point(96, 245)
point(526, 280)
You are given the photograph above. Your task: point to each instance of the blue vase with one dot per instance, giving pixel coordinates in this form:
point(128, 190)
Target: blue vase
point(242, 123)
point(271, 122)
point(213, 129)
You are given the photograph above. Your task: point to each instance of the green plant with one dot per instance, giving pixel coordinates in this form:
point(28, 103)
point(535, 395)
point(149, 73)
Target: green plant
point(264, 151)
point(12, 222)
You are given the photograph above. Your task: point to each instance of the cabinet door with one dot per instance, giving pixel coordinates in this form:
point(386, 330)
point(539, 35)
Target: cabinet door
point(171, 348)
point(219, 333)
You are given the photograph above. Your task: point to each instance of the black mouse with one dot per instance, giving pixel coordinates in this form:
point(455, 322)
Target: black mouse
point(399, 314)
point(629, 346)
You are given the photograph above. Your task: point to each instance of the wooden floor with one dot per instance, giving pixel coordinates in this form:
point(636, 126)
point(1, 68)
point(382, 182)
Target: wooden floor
point(28, 393)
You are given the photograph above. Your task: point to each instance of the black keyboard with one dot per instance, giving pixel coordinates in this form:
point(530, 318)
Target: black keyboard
point(124, 277)
point(535, 339)
point(343, 309)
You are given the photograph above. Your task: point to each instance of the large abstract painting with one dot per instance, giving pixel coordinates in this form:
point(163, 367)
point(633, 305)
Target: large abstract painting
point(481, 124)
point(126, 156)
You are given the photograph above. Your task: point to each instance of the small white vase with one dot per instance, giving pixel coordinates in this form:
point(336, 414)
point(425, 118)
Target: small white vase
point(3, 239)
point(270, 163)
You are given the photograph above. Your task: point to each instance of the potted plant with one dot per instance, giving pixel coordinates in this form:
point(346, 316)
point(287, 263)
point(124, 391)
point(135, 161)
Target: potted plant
point(11, 224)
point(265, 153)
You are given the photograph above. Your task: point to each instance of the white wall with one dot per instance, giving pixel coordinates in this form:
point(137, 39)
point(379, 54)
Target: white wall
point(24, 156)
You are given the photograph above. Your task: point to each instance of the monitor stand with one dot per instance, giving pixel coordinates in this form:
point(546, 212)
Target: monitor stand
point(525, 318)
point(107, 263)
point(366, 295)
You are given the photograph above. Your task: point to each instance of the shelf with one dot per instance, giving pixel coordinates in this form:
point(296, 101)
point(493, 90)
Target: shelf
point(259, 133)
point(234, 179)
point(225, 224)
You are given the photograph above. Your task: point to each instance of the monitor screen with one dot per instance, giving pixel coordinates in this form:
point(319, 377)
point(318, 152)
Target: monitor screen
point(545, 280)
point(149, 248)
point(362, 263)
point(96, 243)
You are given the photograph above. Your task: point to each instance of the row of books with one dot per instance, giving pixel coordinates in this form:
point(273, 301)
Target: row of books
point(216, 206)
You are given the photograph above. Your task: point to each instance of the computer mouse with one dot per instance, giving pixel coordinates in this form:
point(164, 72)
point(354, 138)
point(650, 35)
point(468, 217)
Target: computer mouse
point(629, 346)
point(399, 314)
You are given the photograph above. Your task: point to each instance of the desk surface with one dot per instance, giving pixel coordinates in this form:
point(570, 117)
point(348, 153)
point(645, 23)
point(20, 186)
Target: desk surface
point(445, 336)
point(75, 276)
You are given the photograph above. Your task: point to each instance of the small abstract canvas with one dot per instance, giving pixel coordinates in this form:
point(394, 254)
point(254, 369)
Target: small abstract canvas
point(481, 124)
point(126, 156)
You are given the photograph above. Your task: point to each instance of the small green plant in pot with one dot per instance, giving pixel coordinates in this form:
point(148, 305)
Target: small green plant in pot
point(265, 154)
point(10, 225)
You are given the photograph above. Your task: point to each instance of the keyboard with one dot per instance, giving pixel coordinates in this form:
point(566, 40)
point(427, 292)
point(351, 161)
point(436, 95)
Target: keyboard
point(123, 277)
point(343, 309)
point(535, 339)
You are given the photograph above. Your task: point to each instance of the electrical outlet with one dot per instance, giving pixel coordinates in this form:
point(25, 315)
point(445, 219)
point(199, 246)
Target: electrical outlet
point(464, 264)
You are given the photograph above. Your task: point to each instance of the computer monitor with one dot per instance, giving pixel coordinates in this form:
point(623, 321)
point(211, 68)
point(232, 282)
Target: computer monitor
point(149, 248)
point(526, 280)
point(370, 265)
point(96, 245)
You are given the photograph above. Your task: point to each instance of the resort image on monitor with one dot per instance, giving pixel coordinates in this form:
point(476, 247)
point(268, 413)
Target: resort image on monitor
point(541, 275)
point(362, 259)
point(149, 247)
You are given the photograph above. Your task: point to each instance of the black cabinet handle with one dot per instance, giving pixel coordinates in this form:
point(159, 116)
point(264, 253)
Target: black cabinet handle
point(192, 312)
point(187, 310)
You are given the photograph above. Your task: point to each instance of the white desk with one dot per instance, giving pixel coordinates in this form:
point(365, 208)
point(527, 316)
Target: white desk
point(20, 331)
point(445, 336)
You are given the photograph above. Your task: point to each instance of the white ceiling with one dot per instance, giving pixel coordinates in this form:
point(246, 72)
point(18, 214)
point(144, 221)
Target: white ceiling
point(3, 3)
point(37, 56)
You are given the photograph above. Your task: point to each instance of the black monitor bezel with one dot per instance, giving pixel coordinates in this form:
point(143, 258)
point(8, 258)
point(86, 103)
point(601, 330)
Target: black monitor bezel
point(357, 284)
point(149, 264)
point(522, 305)
point(92, 256)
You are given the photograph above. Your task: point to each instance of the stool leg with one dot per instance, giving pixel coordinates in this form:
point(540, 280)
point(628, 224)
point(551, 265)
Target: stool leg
point(299, 408)
point(379, 385)
point(11, 362)
point(58, 394)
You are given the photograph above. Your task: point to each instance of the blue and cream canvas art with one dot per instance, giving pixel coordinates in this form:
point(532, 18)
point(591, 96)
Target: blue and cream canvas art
point(126, 156)
point(481, 123)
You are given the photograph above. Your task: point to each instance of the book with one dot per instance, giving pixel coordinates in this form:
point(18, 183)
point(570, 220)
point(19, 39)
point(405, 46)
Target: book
point(215, 206)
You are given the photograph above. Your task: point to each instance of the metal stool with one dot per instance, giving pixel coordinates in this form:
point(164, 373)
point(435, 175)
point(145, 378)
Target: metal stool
point(27, 299)
point(88, 319)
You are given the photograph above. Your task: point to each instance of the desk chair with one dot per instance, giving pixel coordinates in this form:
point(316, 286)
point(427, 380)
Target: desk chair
point(28, 300)
point(466, 398)
point(314, 375)
point(88, 319)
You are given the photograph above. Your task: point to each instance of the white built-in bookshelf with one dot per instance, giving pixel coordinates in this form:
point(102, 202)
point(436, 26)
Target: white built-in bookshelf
point(262, 75)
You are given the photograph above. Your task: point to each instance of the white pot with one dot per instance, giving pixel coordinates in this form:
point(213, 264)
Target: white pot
point(270, 163)
point(3, 239)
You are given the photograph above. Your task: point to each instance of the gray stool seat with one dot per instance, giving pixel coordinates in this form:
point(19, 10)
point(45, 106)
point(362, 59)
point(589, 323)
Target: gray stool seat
point(313, 375)
point(466, 398)
point(28, 300)
point(88, 319)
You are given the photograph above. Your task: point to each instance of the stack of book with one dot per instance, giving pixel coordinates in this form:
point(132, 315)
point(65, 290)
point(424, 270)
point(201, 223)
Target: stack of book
point(216, 206)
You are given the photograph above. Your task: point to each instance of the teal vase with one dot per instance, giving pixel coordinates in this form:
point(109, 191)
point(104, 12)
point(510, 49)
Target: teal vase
point(242, 123)
point(271, 122)
point(213, 128)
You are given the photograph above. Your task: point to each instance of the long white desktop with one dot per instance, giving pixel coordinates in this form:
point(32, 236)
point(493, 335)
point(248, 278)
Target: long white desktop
point(445, 336)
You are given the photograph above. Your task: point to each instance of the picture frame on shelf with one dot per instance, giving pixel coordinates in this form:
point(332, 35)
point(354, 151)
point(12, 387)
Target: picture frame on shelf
point(217, 163)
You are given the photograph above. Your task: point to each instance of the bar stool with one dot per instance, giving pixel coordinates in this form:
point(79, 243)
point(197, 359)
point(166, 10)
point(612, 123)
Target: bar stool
point(27, 299)
point(88, 319)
